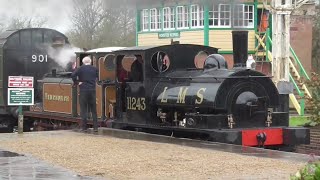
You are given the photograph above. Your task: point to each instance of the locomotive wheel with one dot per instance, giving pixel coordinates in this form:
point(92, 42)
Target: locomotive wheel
point(7, 124)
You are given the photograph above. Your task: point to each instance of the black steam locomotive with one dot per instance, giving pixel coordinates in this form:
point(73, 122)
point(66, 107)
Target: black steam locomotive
point(181, 88)
point(189, 88)
point(24, 52)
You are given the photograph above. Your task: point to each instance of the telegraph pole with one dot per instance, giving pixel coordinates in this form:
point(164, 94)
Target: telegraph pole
point(281, 10)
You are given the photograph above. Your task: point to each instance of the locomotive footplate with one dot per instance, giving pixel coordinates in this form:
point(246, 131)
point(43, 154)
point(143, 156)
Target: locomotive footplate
point(278, 136)
point(54, 120)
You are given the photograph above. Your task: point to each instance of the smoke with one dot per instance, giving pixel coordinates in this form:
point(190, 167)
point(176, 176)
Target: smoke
point(63, 56)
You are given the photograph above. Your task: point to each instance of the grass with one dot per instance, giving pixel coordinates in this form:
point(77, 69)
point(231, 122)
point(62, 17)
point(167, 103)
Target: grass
point(295, 121)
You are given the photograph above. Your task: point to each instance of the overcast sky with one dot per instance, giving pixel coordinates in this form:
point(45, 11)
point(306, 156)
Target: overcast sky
point(58, 12)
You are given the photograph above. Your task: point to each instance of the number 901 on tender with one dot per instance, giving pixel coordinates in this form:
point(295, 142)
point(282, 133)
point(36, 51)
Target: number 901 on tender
point(136, 103)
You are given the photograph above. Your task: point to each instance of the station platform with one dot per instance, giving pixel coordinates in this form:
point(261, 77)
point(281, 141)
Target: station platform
point(22, 167)
point(117, 154)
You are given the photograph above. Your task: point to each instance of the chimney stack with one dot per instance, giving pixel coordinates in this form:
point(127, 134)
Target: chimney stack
point(240, 48)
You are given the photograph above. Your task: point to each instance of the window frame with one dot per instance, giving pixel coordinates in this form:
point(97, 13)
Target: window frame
point(184, 15)
point(219, 13)
point(169, 18)
point(145, 15)
point(243, 21)
point(197, 16)
point(155, 19)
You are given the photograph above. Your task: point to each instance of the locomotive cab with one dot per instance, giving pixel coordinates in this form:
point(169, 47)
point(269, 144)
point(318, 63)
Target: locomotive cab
point(139, 69)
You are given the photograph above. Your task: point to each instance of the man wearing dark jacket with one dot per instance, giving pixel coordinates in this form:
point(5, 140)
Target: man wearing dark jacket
point(86, 77)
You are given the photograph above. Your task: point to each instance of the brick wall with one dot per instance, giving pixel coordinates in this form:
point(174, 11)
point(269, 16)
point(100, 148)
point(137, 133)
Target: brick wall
point(301, 39)
point(301, 34)
point(314, 146)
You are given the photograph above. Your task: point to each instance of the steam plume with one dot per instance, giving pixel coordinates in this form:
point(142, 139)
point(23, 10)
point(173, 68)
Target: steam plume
point(63, 56)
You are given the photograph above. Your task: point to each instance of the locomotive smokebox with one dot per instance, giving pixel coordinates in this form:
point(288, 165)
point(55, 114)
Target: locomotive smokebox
point(240, 48)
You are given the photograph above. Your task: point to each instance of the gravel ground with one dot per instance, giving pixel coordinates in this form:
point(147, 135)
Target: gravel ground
point(113, 158)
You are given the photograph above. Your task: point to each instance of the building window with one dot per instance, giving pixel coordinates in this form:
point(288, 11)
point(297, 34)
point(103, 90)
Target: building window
point(159, 19)
point(194, 15)
point(201, 16)
point(168, 18)
point(220, 16)
point(197, 16)
point(182, 17)
point(155, 20)
point(243, 16)
point(145, 19)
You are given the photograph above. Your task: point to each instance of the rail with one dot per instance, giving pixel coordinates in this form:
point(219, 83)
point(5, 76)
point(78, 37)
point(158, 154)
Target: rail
point(295, 85)
point(295, 71)
point(302, 70)
point(299, 106)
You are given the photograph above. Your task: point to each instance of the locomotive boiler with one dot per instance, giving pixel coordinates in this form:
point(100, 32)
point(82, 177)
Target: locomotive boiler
point(215, 97)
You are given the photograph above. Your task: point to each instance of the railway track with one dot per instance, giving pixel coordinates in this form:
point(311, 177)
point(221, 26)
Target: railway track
point(176, 138)
point(250, 151)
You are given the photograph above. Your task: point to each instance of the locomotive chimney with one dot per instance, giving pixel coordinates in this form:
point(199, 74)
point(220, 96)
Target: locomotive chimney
point(54, 72)
point(240, 48)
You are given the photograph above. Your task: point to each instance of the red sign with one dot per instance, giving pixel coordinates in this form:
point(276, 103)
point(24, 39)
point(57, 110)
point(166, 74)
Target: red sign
point(20, 81)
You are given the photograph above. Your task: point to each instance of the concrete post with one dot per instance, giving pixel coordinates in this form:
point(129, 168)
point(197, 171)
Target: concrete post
point(20, 121)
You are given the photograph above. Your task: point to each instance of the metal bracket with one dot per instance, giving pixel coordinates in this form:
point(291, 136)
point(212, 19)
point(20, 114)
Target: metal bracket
point(269, 118)
point(230, 121)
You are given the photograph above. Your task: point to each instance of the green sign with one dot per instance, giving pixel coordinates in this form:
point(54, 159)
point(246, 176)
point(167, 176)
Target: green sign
point(165, 35)
point(20, 96)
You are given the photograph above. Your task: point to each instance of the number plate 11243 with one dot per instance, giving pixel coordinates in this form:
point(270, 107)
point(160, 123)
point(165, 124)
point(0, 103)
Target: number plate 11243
point(136, 103)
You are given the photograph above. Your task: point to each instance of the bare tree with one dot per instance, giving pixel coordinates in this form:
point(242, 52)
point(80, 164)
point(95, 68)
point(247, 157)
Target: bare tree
point(119, 25)
point(87, 19)
point(127, 24)
point(27, 22)
point(101, 23)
